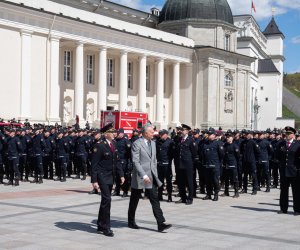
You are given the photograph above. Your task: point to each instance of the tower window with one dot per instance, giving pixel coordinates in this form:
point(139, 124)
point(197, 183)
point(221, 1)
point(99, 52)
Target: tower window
point(227, 42)
point(228, 81)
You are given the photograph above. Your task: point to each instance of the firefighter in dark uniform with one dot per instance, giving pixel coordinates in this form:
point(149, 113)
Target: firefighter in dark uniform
point(14, 148)
point(164, 154)
point(25, 140)
point(2, 141)
point(289, 155)
point(69, 149)
point(61, 150)
point(274, 162)
point(105, 164)
point(266, 152)
point(81, 153)
point(135, 136)
point(197, 164)
point(230, 164)
point(124, 150)
point(212, 155)
point(48, 155)
point(176, 148)
point(250, 152)
point(38, 146)
point(187, 152)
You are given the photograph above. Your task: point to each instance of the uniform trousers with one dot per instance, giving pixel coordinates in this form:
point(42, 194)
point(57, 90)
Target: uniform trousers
point(105, 205)
point(250, 168)
point(165, 173)
point(285, 183)
point(212, 177)
point(185, 179)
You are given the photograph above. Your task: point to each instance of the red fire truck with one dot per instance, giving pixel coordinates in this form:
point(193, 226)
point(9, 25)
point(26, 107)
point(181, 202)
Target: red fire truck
point(126, 120)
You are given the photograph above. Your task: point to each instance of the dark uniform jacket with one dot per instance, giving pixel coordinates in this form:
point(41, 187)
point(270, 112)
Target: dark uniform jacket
point(250, 151)
point(266, 150)
point(38, 145)
point(187, 152)
point(82, 146)
point(14, 147)
point(212, 154)
point(231, 155)
point(62, 147)
point(164, 151)
point(290, 158)
point(105, 163)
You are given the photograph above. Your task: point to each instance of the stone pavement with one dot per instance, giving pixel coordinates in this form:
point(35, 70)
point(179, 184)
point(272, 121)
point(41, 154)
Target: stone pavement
point(63, 216)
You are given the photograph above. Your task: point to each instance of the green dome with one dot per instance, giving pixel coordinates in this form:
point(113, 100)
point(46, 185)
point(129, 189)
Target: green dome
point(174, 10)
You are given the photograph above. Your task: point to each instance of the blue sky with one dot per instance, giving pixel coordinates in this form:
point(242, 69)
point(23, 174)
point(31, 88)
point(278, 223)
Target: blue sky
point(287, 18)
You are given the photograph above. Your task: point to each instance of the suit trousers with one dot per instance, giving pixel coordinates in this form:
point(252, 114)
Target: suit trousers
point(152, 194)
point(105, 205)
point(285, 183)
point(250, 168)
point(185, 179)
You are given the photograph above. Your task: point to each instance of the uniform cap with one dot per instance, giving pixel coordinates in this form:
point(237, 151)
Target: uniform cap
point(290, 130)
point(184, 126)
point(109, 128)
point(163, 132)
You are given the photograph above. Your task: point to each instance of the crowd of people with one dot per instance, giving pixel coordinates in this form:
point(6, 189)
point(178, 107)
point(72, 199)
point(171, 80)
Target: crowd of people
point(205, 161)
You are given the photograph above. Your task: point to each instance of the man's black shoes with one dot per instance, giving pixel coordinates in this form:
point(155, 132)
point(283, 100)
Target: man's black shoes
point(162, 227)
point(133, 226)
point(106, 232)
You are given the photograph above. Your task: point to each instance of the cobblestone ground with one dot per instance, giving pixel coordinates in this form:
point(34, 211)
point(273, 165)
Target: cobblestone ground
point(63, 216)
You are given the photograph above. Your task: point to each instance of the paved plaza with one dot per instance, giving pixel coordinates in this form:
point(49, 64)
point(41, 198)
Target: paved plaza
point(58, 215)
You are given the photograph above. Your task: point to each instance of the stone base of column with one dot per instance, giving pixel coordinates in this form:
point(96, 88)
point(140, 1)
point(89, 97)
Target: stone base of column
point(160, 125)
point(52, 121)
point(176, 124)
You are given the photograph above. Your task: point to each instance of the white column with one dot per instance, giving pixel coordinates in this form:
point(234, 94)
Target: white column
point(160, 91)
point(79, 87)
point(123, 82)
point(25, 100)
point(102, 78)
point(54, 80)
point(175, 94)
point(142, 83)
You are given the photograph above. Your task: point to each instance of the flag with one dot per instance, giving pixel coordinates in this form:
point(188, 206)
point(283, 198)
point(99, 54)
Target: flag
point(253, 7)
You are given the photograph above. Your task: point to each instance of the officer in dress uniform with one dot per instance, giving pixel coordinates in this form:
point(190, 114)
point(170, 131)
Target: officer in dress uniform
point(230, 163)
point(289, 155)
point(2, 141)
point(124, 150)
point(266, 152)
point(38, 146)
point(197, 165)
point(213, 154)
point(164, 151)
point(48, 155)
point(62, 148)
point(105, 164)
point(14, 148)
point(187, 152)
point(274, 162)
point(250, 152)
point(81, 153)
point(24, 166)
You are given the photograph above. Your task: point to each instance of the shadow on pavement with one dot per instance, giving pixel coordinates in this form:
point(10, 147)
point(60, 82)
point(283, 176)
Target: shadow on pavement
point(259, 209)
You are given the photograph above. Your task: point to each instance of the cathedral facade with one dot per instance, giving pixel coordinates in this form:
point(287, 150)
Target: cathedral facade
point(192, 62)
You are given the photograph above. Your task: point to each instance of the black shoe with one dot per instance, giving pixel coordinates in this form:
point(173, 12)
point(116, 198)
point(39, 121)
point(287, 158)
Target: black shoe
point(236, 195)
point(162, 227)
point(133, 225)
point(63, 180)
point(35, 180)
point(282, 212)
point(274, 186)
point(77, 177)
point(83, 178)
point(40, 180)
point(254, 193)
point(244, 191)
point(177, 195)
point(225, 194)
point(169, 198)
point(125, 195)
point(108, 233)
point(57, 179)
point(207, 197)
point(180, 201)
point(216, 197)
point(94, 191)
point(189, 202)
point(115, 194)
point(258, 189)
point(9, 183)
point(267, 190)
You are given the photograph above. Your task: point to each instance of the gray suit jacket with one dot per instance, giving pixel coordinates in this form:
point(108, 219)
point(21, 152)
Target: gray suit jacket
point(144, 163)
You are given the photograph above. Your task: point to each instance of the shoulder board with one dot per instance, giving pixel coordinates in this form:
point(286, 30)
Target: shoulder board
point(95, 149)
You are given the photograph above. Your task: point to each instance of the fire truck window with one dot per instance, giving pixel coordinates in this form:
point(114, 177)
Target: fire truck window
point(140, 124)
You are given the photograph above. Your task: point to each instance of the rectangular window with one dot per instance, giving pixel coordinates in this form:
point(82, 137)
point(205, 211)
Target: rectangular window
point(261, 88)
point(267, 99)
point(110, 72)
point(227, 42)
point(148, 77)
point(90, 69)
point(130, 76)
point(68, 66)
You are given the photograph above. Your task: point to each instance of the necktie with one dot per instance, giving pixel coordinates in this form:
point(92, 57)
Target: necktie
point(149, 144)
point(111, 147)
point(182, 140)
point(289, 144)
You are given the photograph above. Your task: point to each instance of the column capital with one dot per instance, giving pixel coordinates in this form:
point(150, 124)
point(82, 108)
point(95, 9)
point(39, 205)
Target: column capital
point(54, 38)
point(123, 52)
point(25, 32)
point(102, 48)
point(79, 43)
point(158, 60)
point(142, 56)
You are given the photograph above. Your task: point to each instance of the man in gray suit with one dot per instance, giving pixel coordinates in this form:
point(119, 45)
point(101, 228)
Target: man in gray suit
point(144, 176)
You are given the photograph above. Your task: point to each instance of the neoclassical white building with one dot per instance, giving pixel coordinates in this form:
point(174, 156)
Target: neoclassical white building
point(192, 62)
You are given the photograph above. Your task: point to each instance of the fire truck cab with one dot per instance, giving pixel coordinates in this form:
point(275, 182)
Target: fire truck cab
point(126, 120)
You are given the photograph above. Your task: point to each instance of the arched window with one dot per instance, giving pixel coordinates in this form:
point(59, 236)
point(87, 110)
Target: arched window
point(228, 80)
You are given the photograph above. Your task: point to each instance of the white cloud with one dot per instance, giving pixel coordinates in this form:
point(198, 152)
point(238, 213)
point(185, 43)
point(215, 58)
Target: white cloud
point(296, 40)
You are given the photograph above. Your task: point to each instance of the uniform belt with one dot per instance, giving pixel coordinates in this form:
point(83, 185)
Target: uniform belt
point(163, 163)
point(264, 161)
point(231, 166)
